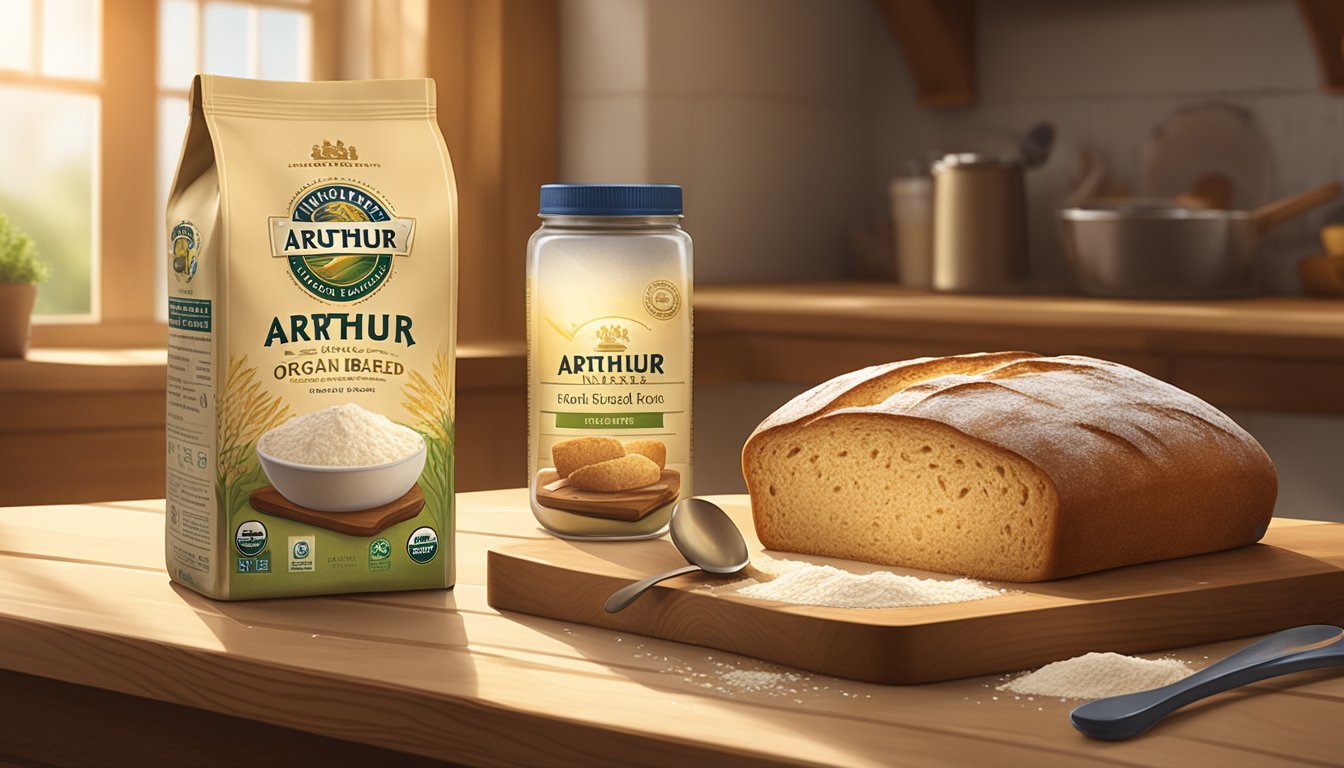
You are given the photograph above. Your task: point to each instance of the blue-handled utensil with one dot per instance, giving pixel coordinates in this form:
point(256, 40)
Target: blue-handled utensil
point(1293, 650)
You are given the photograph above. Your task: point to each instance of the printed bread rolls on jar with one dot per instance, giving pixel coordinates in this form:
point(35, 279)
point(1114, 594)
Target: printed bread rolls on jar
point(655, 450)
point(626, 473)
point(580, 452)
point(604, 465)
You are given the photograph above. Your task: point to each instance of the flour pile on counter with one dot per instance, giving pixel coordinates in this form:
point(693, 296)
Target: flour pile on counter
point(755, 680)
point(1098, 675)
point(341, 436)
point(791, 581)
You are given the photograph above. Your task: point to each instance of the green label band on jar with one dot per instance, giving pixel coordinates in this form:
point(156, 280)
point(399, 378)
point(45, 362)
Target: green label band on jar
point(608, 420)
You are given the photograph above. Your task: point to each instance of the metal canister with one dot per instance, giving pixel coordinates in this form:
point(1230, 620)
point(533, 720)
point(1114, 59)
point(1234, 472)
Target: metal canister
point(979, 224)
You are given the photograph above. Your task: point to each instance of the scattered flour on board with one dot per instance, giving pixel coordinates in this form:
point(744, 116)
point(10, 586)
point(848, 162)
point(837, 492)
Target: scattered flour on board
point(791, 581)
point(1098, 675)
point(341, 436)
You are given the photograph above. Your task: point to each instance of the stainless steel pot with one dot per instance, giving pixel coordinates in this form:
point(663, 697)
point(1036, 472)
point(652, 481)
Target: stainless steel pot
point(1155, 252)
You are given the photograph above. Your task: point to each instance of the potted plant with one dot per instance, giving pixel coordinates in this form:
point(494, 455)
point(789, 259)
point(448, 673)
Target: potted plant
point(21, 269)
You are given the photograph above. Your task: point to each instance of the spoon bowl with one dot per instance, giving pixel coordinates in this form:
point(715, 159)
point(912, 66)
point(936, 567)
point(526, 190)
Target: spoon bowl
point(704, 535)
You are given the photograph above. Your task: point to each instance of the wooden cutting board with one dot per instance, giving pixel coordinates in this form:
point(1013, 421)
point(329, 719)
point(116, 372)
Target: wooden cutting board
point(1295, 576)
point(632, 505)
point(365, 522)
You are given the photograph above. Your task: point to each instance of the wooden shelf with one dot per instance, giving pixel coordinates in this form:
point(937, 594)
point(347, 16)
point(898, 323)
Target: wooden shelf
point(1270, 353)
point(102, 411)
point(479, 366)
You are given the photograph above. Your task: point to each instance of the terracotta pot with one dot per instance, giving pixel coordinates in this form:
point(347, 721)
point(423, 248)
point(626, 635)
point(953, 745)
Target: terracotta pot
point(16, 317)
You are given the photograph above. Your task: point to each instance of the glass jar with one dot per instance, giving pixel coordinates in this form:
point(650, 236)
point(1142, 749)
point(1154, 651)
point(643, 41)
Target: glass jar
point(609, 360)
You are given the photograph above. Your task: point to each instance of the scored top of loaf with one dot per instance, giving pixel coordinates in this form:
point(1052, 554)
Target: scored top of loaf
point(1072, 416)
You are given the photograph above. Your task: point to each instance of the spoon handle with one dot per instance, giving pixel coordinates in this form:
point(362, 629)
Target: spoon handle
point(1295, 650)
point(627, 594)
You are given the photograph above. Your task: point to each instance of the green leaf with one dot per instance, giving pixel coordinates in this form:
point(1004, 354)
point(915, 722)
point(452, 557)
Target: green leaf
point(19, 260)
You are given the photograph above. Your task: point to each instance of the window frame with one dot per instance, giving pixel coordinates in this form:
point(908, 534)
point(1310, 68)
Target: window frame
point(126, 244)
point(95, 87)
point(496, 64)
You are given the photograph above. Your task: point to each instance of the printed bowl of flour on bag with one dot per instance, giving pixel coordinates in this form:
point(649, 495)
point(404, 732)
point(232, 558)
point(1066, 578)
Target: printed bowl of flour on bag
point(342, 459)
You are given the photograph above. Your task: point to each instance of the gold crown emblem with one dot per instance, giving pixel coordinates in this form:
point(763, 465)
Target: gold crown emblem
point(338, 151)
point(610, 338)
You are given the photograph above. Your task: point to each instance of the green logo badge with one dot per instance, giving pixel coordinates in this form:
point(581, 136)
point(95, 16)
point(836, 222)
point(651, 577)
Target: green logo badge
point(339, 241)
point(423, 544)
point(250, 538)
point(380, 549)
point(301, 554)
point(380, 555)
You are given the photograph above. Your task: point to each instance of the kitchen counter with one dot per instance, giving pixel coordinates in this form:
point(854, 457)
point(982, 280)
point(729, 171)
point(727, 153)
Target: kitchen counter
point(1276, 353)
point(99, 644)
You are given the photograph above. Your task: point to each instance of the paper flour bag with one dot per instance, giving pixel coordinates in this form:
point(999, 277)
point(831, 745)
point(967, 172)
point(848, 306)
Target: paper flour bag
point(311, 319)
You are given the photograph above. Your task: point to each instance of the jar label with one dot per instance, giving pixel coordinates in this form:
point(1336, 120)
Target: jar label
point(610, 363)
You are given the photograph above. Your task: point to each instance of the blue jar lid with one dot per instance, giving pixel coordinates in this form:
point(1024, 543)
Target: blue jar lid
point(611, 199)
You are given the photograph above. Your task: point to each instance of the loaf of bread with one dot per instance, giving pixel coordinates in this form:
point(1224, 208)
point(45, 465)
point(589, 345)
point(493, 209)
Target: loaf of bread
point(1005, 466)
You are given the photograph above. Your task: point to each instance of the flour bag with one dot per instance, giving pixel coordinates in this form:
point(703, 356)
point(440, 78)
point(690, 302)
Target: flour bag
point(312, 268)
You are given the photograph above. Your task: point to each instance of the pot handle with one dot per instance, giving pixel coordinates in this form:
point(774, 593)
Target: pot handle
point(1271, 215)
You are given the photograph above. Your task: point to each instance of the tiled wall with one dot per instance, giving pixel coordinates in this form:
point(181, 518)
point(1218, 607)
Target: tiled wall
point(761, 109)
point(774, 112)
point(1107, 74)
point(784, 119)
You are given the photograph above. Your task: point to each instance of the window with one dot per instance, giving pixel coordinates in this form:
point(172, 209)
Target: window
point(80, 173)
point(93, 112)
point(268, 40)
point(51, 96)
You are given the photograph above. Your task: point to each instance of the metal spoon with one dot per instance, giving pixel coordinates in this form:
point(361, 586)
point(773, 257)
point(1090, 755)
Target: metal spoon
point(1292, 650)
point(705, 536)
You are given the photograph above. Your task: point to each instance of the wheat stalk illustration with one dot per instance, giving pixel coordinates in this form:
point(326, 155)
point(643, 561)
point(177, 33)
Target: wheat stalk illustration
point(430, 401)
point(245, 413)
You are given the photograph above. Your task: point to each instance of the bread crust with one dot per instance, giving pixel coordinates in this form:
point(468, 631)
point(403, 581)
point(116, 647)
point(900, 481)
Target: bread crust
point(1139, 470)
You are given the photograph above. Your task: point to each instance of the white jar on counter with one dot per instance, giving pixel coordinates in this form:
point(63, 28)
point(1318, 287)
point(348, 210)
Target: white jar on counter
point(609, 360)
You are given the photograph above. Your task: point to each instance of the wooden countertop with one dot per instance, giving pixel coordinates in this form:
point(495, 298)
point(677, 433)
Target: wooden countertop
point(1272, 353)
point(84, 600)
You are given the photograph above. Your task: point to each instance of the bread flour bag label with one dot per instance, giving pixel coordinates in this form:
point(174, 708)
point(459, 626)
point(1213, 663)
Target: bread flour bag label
point(311, 314)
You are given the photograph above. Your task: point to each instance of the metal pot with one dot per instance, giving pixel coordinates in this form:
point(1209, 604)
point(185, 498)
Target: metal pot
point(1161, 252)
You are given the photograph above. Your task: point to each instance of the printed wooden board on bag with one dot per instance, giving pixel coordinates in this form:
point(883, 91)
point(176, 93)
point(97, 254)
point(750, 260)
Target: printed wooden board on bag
point(1294, 576)
point(365, 522)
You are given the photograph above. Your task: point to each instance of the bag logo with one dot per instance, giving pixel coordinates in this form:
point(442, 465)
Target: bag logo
point(662, 299)
point(612, 338)
point(340, 239)
point(185, 250)
point(338, 155)
point(337, 151)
